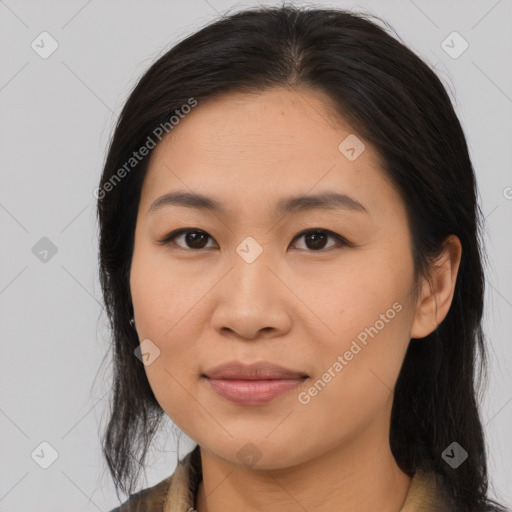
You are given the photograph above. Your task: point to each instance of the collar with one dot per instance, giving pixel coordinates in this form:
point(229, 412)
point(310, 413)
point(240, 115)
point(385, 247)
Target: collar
point(427, 491)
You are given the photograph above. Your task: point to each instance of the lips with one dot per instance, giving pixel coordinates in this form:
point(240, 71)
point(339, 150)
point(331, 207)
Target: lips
point(253, 384)
point(255, 371)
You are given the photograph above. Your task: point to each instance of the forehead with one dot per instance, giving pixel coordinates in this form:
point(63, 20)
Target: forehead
point(277, 143)
point(275, 124)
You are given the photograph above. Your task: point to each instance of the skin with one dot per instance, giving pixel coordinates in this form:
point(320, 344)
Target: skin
point(294, 306)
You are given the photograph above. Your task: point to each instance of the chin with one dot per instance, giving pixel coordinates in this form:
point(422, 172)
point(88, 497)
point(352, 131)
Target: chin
point(258, 453)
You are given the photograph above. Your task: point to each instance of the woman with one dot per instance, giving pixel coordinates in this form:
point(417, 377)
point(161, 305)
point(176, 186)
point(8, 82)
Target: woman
point(290, 261)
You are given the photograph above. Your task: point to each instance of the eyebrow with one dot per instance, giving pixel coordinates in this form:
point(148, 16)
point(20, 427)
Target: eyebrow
point(287, 205)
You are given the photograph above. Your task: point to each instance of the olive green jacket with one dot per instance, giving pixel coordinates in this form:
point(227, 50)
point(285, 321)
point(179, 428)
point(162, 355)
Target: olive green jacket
point(177, 492)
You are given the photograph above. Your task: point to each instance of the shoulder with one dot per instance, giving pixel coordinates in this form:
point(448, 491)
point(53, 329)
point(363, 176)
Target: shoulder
point(151, 499)
point(178, 489)
point(429, 491)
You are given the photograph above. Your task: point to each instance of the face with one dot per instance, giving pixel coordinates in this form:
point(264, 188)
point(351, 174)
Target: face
point(321, 288)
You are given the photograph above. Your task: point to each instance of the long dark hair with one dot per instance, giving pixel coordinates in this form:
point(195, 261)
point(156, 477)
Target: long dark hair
point(395, 101)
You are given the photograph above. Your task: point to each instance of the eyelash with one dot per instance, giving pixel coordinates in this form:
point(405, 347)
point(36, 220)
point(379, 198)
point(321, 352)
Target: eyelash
point(341, 240)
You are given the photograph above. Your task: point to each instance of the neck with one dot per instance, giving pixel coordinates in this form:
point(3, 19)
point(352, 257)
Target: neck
point(358, 475)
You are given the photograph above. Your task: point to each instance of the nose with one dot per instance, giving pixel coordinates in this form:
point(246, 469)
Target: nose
point(252, 302)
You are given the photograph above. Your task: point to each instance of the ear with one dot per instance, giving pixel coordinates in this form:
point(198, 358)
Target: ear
point(436, 294)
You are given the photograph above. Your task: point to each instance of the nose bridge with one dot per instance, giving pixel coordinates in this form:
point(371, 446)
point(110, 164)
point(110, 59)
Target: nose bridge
point(252, 298)
point(251, 273)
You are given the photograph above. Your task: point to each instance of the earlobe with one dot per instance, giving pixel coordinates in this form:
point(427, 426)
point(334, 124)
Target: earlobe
point(436, 293)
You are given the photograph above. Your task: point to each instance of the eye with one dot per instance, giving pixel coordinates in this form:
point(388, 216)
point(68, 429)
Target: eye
point(316, 239)
point(196, 239)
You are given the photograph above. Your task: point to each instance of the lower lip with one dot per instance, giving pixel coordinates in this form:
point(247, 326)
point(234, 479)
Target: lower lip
point(253, 392)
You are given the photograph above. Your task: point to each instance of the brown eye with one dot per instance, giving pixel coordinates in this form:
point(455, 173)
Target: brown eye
point(316, 239)
point(191, 238)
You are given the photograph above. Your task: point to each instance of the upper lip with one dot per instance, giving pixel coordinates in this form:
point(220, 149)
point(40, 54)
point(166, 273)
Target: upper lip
point(256, 371)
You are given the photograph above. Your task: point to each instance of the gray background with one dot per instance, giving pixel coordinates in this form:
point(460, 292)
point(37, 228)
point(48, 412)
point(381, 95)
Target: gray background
point(56, 117)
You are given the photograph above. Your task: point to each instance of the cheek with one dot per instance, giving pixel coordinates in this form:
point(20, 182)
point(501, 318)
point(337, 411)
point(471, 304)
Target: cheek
point(370, 312)
point(167, 324)
point(364, 296)
point(165, 295)
point(173, 385)
point(358, 372)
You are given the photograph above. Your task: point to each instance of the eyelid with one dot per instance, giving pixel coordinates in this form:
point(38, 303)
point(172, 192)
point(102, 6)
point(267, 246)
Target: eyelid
point(342, 241)
point(173, 234)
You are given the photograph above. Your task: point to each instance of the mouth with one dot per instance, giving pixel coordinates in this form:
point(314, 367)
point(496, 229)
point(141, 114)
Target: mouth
point(254, 384)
